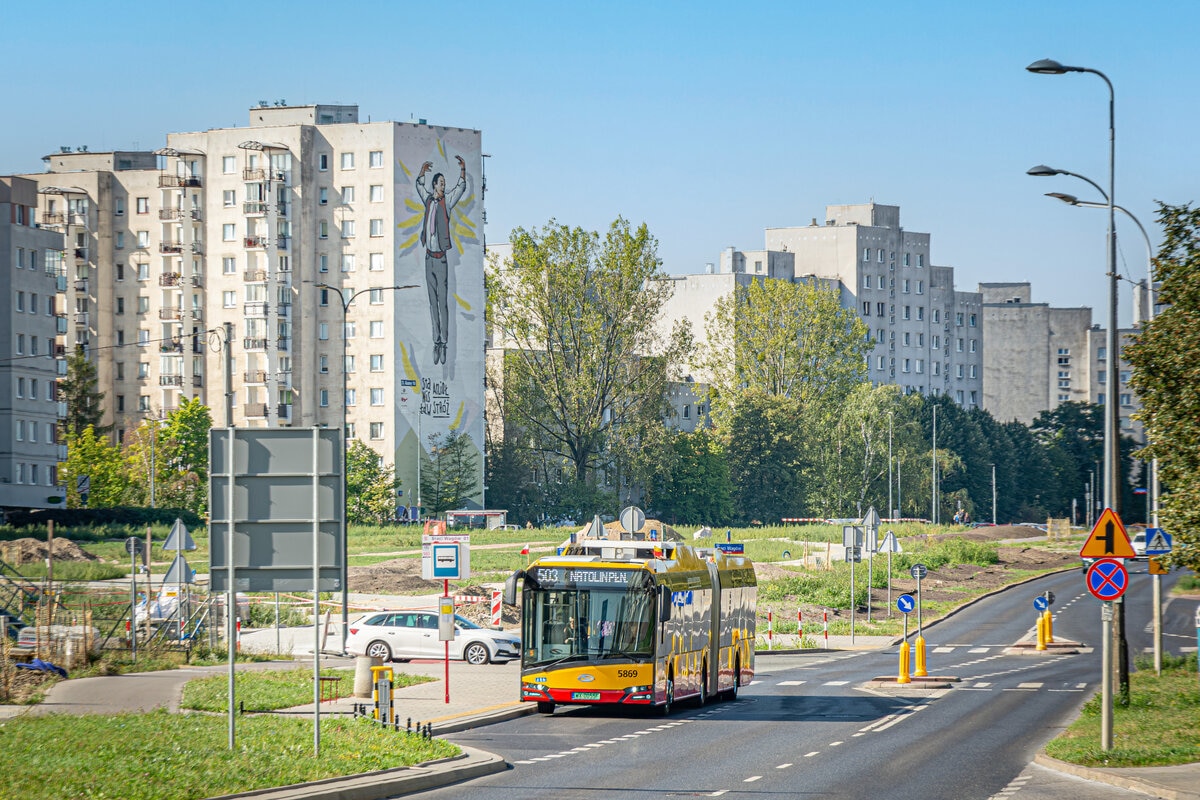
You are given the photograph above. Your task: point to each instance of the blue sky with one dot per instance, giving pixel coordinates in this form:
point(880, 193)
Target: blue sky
point(707, 121)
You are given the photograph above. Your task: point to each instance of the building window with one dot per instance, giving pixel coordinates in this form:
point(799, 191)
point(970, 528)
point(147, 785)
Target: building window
point(971, 345)
point(347, 160)
point(907, 256)
point(904, 286)
point(866, 308)
point(229, 299)
point(880, 362)
point(937, 367)
point(323, 229)
point(351, 397)
point(144, 402)
point(143, 337)
point(350, 331)
point(377, 227)
point(347, 262)
point(958, 371)
point(376, 193)
point(907, 338)
point(323, 263)
point(920, 287)
point(881, 309)
point(920, 366)
point(143, 369)
point(866, 254)
point(324, 397)
point(376, 362)
point(228, 165)
point(21, 388)
point(907, 312)
point(974, 397)
point(228, 232)
point(119, 240)
point(229, 198)
point(906, 368)
point(881, 255)
point(375, 158)
point(958, 319)
point(143, 270)
point(1126, 400)
point(958, 346)
point(323, 162)
point(143, 304)
point(376, 329)
point(972, 372)
point(347, 195)
point(971, 320)
point(921, 312)
point(1124, 375)
point(143, 205)
point(1064, 384)
point(376, 261)
point(323, 364)
point(377, 397)
point(323, 331)
point(920, 260)
point(1102, 376)
point(350, 364)
point(376, 430)
point(323, 196)
point(347, 229)
point(880, 335)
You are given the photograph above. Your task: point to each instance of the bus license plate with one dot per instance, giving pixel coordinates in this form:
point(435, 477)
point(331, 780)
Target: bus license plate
point(585, 695)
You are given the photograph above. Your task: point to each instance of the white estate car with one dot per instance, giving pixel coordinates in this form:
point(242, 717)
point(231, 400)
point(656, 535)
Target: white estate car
point(401, 635)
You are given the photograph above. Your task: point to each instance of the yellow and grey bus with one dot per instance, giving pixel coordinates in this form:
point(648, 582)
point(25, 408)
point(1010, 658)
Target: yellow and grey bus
point(642, 623)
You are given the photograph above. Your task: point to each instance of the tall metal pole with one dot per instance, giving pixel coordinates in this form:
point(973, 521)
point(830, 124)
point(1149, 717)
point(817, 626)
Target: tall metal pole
point(891, 508)
point(933, 499)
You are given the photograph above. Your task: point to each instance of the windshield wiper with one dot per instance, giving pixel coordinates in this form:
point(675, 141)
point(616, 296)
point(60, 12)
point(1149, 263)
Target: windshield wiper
point(558, 661)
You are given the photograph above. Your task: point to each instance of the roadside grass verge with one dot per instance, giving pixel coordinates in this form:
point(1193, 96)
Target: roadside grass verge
point(1157, 728)
point(164, 756)
point(268, 690)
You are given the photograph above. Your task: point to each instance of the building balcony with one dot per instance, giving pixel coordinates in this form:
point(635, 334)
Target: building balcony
point(284, 276)
point(80, 285)
point(60, 324)
point(254, 276)
point(81, 253)
point(53, 218)
point(256, 376)
point(198, 314)
point(255, 309)
point(254, 209)
point(60, 350)
point(170, 380)
point(283, 208)
point(257, 174)
point(285, 412)
point(198, 248)
point(254, 344)
point(60, 367)
point(170, 314)
point(283, 243)
point(60, 282)
point(170, 248)
point(197, 381)
point(171, 346)
point(167, 214)
point(81, 319)
point(283, 344)
point(255, 242)
point(198, 281)
point(254, 409)
point(178, 181)
point(169, 279)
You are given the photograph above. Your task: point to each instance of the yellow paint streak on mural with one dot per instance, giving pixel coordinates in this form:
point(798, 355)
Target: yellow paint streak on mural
point(407, 174)
point(408, 367)
point(413, 205)
point(441, 148)
point(461, 231)
point(408, 224)
point(458, 417)
point(465, 305)
point(410, 241)
point(464, 220)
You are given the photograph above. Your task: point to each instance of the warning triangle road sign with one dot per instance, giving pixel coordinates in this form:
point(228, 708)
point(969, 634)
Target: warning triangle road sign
point(1108, 539)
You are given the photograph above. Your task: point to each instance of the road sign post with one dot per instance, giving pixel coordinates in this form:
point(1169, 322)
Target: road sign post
point(1158, 543)
point(889, 546)
point(905, 603)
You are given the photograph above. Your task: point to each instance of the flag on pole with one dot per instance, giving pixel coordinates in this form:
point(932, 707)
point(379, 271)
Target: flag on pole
point(525, 550)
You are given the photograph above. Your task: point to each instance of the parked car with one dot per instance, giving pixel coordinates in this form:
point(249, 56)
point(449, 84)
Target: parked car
point(403, 635)
point(1138, 540)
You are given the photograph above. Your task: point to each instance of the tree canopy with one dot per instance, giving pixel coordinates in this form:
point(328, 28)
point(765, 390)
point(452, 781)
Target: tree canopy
point(78, 390)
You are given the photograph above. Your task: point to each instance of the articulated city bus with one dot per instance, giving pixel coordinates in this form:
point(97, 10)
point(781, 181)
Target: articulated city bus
point(643, 623)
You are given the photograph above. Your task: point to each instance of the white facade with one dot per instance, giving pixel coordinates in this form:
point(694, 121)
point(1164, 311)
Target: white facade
point(30, 264)
point(242, 226)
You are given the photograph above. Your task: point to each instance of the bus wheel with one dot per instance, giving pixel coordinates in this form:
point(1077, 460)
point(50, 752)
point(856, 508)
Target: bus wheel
point(737, 678)
point(704, 686)
point(545, 707)
point(665, 709)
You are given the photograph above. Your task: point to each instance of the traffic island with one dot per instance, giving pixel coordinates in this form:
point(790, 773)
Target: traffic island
point(914, 682)
point(1058, 647)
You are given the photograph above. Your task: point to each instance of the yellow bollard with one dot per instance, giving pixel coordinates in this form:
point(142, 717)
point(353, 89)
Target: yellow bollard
point(1041, 632)
point(920, 672)
point(1049, 627)
point(903, 676)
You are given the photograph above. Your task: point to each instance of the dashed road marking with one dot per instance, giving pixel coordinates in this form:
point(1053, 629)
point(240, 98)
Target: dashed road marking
point(792, 683)
point(784, 766)
point(835, 683)
point(813, 753)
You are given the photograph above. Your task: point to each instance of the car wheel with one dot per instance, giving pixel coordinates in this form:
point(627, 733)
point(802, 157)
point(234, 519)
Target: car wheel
point(379, 650)
point(476, 653)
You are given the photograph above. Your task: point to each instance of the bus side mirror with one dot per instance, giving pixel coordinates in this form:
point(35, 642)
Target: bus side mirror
point(664, 605)
point(510, 587)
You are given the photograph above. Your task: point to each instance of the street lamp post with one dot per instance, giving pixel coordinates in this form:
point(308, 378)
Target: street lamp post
point(346, 301)
point(1048, 66)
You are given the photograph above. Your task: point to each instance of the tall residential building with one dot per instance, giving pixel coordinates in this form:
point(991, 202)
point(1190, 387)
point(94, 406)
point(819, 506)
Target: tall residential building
point(927, 336)
point(30, 278)
point(1039, 357)
point(277, 230)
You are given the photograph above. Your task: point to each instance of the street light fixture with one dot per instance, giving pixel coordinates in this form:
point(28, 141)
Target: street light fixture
point(346, 301)
point(1112, 455)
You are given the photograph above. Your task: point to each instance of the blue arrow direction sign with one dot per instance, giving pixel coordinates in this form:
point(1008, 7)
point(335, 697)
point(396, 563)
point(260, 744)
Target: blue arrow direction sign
point(906, 604)
point(1158, 542)
point(1107, 579)
point(1040, 603)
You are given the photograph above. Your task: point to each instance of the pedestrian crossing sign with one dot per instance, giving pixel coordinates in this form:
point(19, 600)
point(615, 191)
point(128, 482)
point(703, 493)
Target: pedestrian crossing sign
point(1108, 539)
point(1158, 542)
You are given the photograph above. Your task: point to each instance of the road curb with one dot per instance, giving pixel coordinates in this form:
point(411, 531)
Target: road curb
point(471, 764)
point(1116, 776)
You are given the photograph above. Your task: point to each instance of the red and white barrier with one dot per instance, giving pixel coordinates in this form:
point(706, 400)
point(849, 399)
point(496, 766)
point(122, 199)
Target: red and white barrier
point(825, 617)
point(496, 607)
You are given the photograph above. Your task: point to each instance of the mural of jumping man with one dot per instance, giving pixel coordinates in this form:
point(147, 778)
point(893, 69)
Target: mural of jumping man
point(435, 237)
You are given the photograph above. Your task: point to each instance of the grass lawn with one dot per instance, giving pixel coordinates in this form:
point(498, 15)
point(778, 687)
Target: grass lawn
point(164, 756)
point(1157, 728)
point(268, 690)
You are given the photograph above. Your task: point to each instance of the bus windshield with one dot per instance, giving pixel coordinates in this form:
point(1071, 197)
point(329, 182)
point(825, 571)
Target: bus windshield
point(564, 625)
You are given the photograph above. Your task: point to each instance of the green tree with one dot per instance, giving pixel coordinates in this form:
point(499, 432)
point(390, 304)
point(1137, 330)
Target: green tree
point(697, 488)
point(586, 369)
point(1166, 372)
point(448, 475)
point(175, 451)
point(78, 390)
point(764, 453)
point(371, 486)
point(93, 457)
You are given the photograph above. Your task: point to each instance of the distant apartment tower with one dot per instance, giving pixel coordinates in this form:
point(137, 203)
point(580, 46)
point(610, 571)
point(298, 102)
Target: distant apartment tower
point(260, 228)
point(30, 273)
point(1039, 357)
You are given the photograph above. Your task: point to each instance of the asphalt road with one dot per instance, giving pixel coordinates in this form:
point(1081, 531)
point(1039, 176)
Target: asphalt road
point(811, 727)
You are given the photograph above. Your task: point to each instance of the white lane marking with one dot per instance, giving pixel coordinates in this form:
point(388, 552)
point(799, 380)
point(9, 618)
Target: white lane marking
point(792, 683)
point(529, 761)
point(784, 766)
point(978, 650)
point(813, 753)
point(718, 793)
point(835, 744)
point(753, 778)
point(982, 684)
point(942, 650)
point(595, 744)
point(836, 683)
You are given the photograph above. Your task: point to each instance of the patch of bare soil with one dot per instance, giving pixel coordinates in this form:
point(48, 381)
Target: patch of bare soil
point(397, 576)
point(25, 551)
